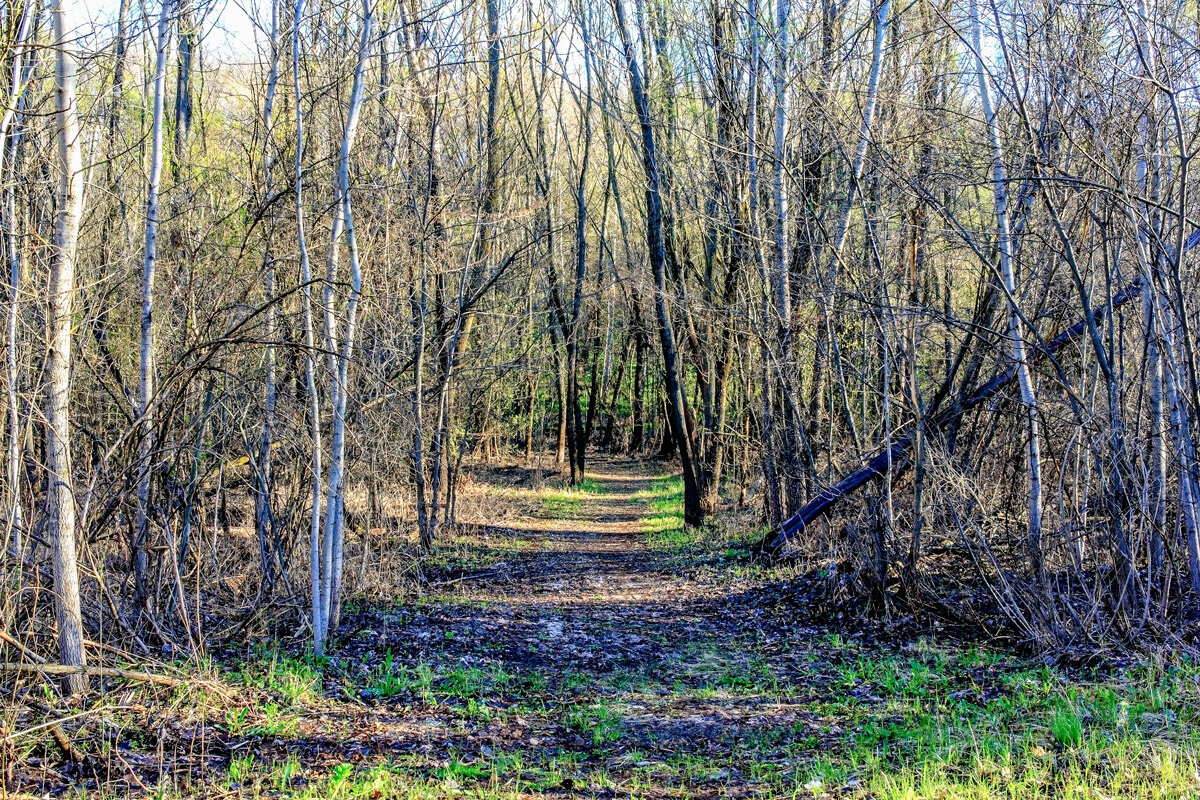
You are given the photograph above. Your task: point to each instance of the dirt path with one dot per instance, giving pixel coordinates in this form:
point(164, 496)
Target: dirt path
point(583, 654)
point(580, 588)
point(582, 644)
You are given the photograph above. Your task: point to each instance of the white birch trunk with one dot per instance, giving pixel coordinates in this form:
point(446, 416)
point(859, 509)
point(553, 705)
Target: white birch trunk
point(319, 613)
point(146, 361)
point(60, 494)
point(343, 221)
point(783, 293)
point(1008, 276)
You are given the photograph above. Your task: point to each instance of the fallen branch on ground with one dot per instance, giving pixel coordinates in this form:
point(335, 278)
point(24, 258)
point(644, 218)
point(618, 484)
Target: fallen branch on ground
point(94, 672)
point(111, 672)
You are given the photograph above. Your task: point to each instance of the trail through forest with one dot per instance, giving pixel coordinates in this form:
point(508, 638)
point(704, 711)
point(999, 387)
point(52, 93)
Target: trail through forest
point(620, 645)
point(584, 643)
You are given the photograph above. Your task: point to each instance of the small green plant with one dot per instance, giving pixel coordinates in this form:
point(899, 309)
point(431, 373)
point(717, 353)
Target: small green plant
point(478, 710)
point(340, 774)
point(599, 721)
point(390, 679)
point(240, 769)
point(286, 772)
point(236, 719)
point(1066, 723)
point(458, 770)
point(385, 682)
point(463, 682)
point(275, 722)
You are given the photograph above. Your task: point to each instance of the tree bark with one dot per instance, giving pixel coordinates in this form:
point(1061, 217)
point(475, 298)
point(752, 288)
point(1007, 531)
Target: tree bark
point(1016, 333)
point(320, 615)
point(150, 263)
point(10, 136)
point(61, 496)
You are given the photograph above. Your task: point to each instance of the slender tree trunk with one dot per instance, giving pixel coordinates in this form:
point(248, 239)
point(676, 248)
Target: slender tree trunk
point(10, 135)
point(264, 518)
point(418, 300)
point(146, 363)
point(61, 496)
point(641, 354)
point(320, 614)
point(576, 437)
point(1016, 338)
point(335, 490)
point(676, 404)
point(1168, 419)
point(183, 86)
point(768, 434)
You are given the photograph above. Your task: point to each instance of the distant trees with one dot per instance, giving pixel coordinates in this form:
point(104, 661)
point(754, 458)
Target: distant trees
point(874, 267)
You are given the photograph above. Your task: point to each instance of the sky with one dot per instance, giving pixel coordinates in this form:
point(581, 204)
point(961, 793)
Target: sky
point(228, 34)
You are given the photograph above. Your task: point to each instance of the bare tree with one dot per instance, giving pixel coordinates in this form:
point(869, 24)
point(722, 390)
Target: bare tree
point(60, 494)
point(1008, 278)
point(150, 263)
point(10, 136)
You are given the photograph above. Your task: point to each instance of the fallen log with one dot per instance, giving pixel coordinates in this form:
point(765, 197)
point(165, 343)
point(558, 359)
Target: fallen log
point(93, 672)
point(894, 457)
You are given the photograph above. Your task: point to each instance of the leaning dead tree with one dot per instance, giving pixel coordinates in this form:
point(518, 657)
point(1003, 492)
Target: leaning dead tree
point(895, 457)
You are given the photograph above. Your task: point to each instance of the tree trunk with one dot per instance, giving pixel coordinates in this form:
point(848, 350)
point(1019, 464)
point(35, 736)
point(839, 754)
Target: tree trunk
point(146, 362)
point(1015, 327)
point(61, 496)
point(10, 136)
point(264, 517)
point(339, 390)
point(693, 513)
point(320, 617)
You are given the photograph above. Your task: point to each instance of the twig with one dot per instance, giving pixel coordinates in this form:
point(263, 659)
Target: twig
point(25, 651)
point(55, 726)
point(93, 672)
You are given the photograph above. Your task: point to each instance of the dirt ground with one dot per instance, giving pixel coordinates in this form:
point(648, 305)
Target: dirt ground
point(583, 643)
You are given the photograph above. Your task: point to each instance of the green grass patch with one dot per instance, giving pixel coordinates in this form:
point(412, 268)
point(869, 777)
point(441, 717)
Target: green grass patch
point(295, 680)
point(567, 499)
point(560, 504)
point(598, 722)
point(663, 520)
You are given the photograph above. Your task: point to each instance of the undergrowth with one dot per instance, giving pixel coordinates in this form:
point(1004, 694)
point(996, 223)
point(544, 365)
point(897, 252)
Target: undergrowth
point(705, 701)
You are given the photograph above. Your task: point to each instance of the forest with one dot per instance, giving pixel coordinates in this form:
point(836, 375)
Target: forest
point(614, 398)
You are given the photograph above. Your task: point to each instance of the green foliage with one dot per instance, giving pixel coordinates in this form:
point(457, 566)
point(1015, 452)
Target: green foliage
point(599, 722)
point(1066, 723)
point(275, 722)
point(390, 679)
point(295, 680)
point(240, 769)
